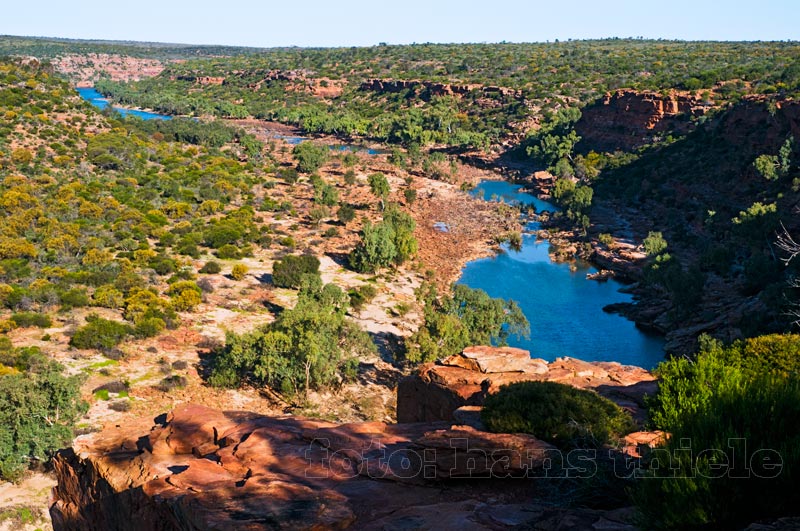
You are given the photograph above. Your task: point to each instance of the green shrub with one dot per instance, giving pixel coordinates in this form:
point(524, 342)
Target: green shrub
point(687, 386)
point(228, 252)
point(239, 271)
point(467, 316)
point(149, 327)
point(108, 296)
point(728, 479)
point(361, 296)
point(310, 156)
point(174, 381)
point(311, 346)
point(557, 413)
point(288, 272)
point(27, 319)
point(74, 298)
point(211, 268)
point(38, 409)
point(185, 295)
point(100, 333)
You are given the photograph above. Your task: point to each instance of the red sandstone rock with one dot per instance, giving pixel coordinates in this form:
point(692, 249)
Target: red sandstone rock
point(627, 119)
point(435, 392)
point(257, 472)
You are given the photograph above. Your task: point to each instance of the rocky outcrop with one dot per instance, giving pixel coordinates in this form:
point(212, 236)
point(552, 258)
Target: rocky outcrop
point(203, 469)
point(85, 69)
point(627, 119)
point(426, 89)
point(437, 392)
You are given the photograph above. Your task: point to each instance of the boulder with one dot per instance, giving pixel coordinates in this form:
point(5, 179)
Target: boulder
point(436, 392)
point(225, 470)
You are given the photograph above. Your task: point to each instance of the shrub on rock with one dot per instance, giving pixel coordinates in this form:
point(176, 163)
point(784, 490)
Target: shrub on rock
point(556, 413)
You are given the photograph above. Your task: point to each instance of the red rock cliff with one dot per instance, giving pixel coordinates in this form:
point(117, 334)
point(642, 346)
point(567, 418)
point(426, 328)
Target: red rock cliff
point(203, 469)
point(627, 119)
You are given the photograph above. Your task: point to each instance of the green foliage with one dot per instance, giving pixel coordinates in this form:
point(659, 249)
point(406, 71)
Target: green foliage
point(379, 186)
point(757, 221)
point(99, 333)
point(308, 347)
point(654, 244)
point(686, 386)
point(38, 409)
point(773, 167)
point(346, 213)
point(742, 465)
point(361, 296)
point(310, 156)
point(185, 295)
point(239, 271)
point(211, 268)
point(767, 166)
point(389, 242)
point(553, 143)
point(466, 317)
point(557, 413)
point(26, 319)
point(289, 271)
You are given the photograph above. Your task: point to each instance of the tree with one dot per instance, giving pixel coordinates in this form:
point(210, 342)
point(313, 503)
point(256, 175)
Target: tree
point(310, 156)
point(39, 407)
point(467, 316)
point(346, 213)
point(379, 186)
point(654, 244)
point(375, 250)
point(308, 347)
point(289, 272)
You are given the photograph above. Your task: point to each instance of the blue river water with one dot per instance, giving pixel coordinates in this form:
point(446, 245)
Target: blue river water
point(563, 306)
point(99, 101)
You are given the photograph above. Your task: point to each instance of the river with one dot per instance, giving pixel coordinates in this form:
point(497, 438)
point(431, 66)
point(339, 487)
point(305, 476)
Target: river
point(564, 308)
point(98, 100)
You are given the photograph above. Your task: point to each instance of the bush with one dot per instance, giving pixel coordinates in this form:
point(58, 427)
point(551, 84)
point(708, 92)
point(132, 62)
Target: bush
point(361, 296)
point(74, 298)
point(239, 271)
point(228, 252)
point(288, 272)
point(557, 413)
point(174, 381)
point(310, 346)
point(38, 409)
point(729, 477)
point(27, 319)
point(149, 327)
point(389, 242)
point(466, 317)
point(100, 334)
point(211, 268)
point(185, 294)
point(687, 386)
point(310, 157)
point(346, 213)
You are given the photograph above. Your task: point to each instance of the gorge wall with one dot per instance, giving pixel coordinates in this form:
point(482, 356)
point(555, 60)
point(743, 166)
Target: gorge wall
point(627, 119)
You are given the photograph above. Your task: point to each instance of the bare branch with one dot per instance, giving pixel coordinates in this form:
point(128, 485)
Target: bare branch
point(787, 244)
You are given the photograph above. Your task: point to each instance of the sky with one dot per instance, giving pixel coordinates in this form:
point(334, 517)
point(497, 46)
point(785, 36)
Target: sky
point(361, 23)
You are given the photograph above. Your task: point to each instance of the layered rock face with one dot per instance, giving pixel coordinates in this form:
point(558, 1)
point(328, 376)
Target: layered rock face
point(436, 392)
point(430, 88)
point(203, 469)
point(627, 119)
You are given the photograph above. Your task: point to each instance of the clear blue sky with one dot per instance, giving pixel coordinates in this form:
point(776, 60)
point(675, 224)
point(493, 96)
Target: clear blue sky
point(359, 23)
